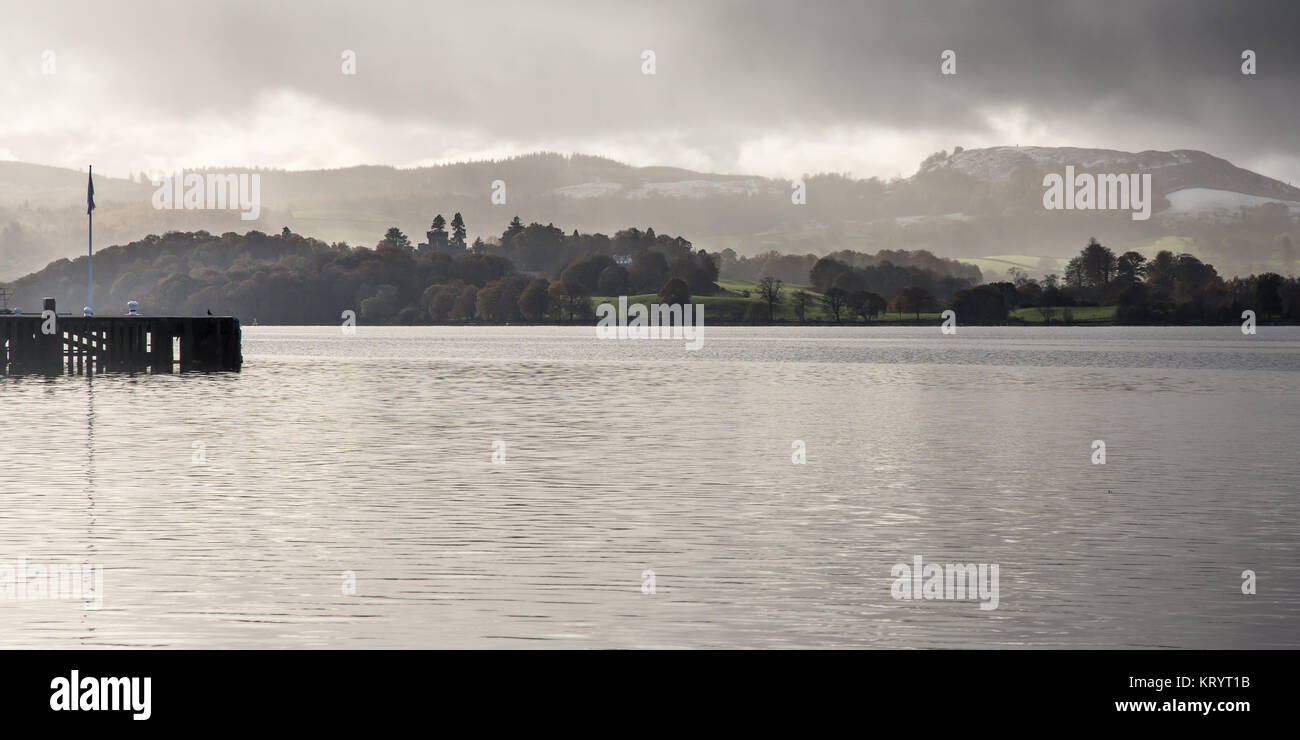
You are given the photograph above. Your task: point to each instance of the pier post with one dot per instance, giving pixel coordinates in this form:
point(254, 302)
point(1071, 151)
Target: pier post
point(160, 337)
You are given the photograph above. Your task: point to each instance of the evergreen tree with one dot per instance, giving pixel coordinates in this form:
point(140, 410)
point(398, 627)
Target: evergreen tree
point(515, 227)
point(395, 239)
point(437, 234)
point(457, 232)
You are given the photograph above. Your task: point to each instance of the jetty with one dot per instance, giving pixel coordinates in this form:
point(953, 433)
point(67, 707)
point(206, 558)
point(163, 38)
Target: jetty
point(52, 344)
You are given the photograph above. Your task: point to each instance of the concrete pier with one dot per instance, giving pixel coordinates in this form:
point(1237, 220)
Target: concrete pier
point(50, 344)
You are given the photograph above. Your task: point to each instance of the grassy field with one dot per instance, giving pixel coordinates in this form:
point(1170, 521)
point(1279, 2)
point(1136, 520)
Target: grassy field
point(994, 267)
point(1079, 314)
point(732, 306)
point(735, 292)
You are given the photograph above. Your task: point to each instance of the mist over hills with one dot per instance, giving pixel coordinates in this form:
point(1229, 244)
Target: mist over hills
point(968, 203)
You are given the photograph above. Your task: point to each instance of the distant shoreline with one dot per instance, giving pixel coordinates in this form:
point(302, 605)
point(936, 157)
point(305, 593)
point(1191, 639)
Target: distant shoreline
point(813, 324)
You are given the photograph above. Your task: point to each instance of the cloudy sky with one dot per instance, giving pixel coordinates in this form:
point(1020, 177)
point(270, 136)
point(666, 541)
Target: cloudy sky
point(777, 88)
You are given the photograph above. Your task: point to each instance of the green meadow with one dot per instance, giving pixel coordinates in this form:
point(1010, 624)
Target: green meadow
point(731, 305)
point(1078, 314)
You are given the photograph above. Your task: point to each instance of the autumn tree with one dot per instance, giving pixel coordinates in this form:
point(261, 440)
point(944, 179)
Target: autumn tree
point(1130, 267)
point(466, 306)
point(866, 304)
point(834, 301)
point(769, 290)
point(800, 302)
point(675, 291)
point(913, 299)
point(535, 300)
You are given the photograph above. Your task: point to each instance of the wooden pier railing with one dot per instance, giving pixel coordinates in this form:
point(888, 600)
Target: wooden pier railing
point(52, 345)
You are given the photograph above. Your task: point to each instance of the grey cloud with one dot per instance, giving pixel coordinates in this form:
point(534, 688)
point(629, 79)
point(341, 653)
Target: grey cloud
point(531, 71)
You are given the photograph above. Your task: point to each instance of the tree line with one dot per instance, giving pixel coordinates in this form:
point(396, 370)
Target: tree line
point(1168, 288)
point(1173, 288)
point(532, 272)
point(539, 273)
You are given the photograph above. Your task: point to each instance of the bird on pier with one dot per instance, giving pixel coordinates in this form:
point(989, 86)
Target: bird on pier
point(209, 312)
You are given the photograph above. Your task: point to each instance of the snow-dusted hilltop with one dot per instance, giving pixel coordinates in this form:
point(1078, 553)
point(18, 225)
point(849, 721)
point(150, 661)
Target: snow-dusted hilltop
point(1171, 171)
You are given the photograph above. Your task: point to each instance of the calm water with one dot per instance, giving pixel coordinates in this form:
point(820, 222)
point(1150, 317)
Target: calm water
point(373, 455)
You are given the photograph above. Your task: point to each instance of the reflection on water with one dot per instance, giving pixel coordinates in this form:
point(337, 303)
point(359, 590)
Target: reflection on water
point(372, 454)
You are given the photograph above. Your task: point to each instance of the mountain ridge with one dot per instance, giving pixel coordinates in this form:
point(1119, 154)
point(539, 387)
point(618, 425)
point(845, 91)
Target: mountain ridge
point(972, 202)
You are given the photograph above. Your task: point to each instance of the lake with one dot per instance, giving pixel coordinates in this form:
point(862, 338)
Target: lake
point(521, 487)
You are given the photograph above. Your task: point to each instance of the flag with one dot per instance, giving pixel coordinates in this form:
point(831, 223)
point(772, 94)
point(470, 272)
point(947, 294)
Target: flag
point(90, 195)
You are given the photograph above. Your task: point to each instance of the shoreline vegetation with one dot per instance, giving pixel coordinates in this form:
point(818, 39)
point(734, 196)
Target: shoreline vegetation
point(540, 275)
point(925, 321)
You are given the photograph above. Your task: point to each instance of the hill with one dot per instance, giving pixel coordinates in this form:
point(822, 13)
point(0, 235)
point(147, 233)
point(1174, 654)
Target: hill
point(970, 203)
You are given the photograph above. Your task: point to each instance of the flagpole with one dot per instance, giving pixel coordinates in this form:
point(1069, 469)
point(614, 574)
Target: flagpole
point(90, 248)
